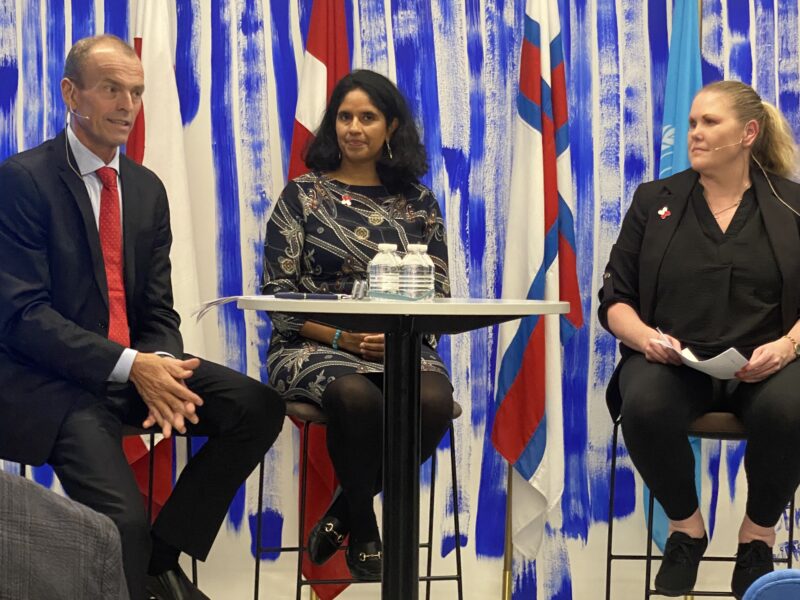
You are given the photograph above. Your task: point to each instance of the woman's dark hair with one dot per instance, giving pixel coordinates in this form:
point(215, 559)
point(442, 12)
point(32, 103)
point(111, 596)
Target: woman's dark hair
point(409, 161)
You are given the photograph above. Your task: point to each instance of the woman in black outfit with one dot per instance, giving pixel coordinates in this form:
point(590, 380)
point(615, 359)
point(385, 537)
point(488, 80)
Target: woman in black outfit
point(363, 190)
point(711, 257)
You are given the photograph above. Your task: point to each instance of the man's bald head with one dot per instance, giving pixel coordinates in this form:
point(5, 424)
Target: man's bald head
point(80, 51)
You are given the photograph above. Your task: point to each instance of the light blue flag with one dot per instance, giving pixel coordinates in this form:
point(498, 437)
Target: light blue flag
point(684, 80)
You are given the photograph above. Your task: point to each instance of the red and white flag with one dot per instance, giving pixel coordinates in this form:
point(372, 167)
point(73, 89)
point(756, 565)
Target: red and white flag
point(162, 152)
point(326, 61)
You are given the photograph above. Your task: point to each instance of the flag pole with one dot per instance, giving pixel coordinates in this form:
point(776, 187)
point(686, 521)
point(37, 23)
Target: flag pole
point(508, 553)
point(700, 21)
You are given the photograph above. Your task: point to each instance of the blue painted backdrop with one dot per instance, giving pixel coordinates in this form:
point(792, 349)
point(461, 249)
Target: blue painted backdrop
point(236, 65)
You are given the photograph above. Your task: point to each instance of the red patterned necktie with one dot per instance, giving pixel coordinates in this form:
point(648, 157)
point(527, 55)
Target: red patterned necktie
point(111, 243)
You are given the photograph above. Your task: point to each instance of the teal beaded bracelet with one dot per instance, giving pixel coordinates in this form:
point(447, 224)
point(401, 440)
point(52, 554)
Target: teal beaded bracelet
point(335, 340)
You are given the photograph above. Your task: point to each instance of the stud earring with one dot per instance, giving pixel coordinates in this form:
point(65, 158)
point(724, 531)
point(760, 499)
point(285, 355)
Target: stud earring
point(389, 150)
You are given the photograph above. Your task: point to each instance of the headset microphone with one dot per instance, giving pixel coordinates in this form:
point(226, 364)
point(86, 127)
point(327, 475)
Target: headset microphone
point(725, 146)
point(79, 115)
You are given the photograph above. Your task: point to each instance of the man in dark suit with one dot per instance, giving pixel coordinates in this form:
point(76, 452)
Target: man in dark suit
point(89, 339)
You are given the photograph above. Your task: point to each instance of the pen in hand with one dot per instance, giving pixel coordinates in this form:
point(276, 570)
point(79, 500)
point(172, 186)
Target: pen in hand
point(665, 341)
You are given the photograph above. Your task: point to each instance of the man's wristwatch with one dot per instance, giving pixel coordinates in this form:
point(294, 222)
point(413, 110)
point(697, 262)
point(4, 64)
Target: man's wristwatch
point(795, 344)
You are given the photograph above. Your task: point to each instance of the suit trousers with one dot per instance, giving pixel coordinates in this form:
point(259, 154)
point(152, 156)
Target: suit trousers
point(241, 417)
point(659, 402)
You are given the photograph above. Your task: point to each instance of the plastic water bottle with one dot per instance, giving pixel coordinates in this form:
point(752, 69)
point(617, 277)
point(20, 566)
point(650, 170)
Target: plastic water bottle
point(432, 270)
point(416, 273)
point(383, 271)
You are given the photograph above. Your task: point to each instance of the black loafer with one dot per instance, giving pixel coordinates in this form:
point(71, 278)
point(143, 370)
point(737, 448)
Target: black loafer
point(173, 585)
point(325, 539)
point(365, 561)
point(678, 572)
point(753, 560)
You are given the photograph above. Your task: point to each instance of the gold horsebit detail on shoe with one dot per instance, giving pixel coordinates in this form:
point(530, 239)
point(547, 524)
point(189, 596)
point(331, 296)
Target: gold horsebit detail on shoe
point(362, 556)
point(329, 529)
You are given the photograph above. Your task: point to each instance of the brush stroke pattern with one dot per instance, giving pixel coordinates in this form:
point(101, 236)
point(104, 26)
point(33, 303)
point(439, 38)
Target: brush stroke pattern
point(237, 71)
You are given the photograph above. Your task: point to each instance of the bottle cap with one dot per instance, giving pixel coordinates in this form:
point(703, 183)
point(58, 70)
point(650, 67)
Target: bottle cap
point(417, 247)
point(387, 247)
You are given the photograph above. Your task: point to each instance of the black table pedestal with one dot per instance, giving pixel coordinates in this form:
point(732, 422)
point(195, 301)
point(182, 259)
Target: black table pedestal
point(401, 457)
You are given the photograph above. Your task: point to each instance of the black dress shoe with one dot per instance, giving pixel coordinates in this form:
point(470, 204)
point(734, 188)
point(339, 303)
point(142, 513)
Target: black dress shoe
point(365, 560)
point(678, 572)
point(753, 560)
point(325, 539)
point(173, 585)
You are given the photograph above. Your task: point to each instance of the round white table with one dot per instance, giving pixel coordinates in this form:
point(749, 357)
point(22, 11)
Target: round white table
point(404, 323)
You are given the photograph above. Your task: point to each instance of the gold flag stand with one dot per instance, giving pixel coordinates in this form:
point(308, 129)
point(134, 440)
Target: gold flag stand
point(508, 554)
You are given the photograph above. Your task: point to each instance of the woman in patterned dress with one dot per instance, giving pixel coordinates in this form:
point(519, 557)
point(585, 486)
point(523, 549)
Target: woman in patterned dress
point(363, 190)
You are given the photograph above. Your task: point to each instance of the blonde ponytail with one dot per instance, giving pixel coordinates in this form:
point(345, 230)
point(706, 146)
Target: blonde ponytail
point(774, 147)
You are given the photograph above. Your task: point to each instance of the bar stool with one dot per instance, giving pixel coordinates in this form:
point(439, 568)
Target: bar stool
point(306, 414)
point(714, 426)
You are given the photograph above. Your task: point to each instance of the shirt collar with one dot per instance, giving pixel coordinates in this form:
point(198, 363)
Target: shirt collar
point(88, 161)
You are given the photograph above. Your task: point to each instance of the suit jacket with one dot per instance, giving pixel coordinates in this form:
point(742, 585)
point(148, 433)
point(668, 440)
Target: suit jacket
point(631, 275)
point(54, 350)
point(52, 547)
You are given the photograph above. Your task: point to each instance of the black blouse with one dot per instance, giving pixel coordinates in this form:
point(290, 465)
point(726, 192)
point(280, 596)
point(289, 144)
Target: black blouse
point(716, 290)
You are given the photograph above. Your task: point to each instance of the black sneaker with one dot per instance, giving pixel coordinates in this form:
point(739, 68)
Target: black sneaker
point(678, 572)
point(753, 560)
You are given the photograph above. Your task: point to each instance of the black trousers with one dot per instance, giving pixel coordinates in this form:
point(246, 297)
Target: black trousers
point(241, 418)
point(660, 401)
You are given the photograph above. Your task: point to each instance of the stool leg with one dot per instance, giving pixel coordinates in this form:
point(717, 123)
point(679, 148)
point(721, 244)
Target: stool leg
point(456, 527)
point(790, 553)
point(612, 491)
point(301, 544)
point(430, 525)
point(151, 467)
point(649, 560)
point(188, 458)
point(259, 525)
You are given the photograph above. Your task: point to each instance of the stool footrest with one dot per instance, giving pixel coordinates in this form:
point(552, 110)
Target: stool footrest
point(700, 593)
point(779, 561)
point(333, 581)
point(279, 549)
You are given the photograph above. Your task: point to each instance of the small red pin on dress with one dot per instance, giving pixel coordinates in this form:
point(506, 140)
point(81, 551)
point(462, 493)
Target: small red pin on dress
point(664, 212)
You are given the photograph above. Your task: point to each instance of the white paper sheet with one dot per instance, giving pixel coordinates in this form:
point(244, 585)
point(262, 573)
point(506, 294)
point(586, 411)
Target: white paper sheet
point(721, 366)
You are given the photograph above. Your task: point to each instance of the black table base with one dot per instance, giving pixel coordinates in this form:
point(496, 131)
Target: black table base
point(401, 425)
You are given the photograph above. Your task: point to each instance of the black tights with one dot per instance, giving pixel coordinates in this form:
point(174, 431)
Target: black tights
point(658, 404)
point(354, 406)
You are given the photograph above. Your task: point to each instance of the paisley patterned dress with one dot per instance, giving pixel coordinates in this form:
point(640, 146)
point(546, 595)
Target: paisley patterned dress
point(320, 238)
